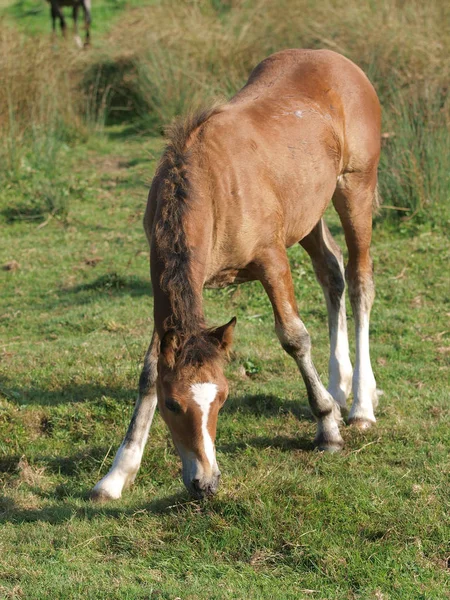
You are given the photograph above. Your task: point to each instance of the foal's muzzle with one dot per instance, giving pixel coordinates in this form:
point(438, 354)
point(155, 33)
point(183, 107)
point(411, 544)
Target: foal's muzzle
point(203, 488)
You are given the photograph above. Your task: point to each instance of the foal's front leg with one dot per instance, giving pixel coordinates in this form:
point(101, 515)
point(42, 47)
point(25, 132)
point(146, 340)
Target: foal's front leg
point(128, 458)
point(276, 278)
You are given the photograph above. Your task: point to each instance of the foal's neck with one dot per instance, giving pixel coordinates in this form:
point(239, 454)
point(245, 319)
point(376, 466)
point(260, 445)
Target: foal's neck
point(177, 275)
point(179, 305)
point(181, 235)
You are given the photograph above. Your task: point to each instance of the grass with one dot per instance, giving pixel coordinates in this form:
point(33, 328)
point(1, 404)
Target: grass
point(76, 306)
point(75, 320)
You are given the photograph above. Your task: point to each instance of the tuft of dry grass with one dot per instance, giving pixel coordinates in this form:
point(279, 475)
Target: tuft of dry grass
point(43, 111)
point(37, 96)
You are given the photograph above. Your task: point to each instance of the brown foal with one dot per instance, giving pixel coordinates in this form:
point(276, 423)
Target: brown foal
point(235, 187)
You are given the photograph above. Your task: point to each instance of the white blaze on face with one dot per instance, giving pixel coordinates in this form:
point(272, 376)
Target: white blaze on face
point(204, 395)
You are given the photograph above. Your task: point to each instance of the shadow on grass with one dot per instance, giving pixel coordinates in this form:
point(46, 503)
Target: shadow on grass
point(33, 395)
point(280, 442)
point(64, 465)
point(112, 285)
point(70, 501)
point(258, 404)
point(24, 212)
point(266, 405)
point(11, 512)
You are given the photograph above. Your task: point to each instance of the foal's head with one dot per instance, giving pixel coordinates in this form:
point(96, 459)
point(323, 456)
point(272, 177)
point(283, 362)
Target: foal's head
point(191, 390)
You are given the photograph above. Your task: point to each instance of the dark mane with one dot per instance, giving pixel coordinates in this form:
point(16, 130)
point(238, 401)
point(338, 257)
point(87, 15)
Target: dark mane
point(169, 232)
point(199, 349)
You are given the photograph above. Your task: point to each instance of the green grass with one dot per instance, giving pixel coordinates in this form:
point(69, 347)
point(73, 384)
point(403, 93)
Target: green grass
point(288, 522)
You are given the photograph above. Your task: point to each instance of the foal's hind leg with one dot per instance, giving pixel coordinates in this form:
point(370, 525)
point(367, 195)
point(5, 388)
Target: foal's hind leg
point(275, 275)
point(326, 257)
point(128, 458)
point(353, 200)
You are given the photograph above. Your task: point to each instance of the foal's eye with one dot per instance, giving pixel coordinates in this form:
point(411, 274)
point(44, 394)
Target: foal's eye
point(173, 405)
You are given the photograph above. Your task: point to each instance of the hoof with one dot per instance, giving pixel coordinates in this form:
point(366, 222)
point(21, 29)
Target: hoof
point(330, 446)
point(361, 424)
point(100, 496)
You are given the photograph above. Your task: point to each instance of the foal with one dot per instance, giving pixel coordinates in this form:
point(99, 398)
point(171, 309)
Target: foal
point(235, 187)
point(56, 13)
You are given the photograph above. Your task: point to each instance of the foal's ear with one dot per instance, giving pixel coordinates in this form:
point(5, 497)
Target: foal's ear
point(224, 334)
point(170, 343)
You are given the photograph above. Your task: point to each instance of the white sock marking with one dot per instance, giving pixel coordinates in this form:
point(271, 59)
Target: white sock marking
point(128, 459)
point(364, 386)
point(340, 368)
point(204, 395)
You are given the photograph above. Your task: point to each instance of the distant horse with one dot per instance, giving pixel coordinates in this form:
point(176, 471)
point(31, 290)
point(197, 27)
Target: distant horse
point(235, 187)
point(57, 13)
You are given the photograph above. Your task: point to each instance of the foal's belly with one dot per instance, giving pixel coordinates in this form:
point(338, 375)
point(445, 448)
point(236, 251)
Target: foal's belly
point(227, 277)
point(301, 219)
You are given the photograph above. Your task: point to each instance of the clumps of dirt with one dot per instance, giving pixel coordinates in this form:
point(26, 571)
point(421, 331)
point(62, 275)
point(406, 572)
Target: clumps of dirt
point(28, 474)
point(11, 265)
point(92, 261)
point(36, 422)
point(109, 164)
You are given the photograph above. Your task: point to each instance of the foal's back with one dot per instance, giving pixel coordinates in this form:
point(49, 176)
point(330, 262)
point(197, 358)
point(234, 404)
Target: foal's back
point(324, 91)
point(279, 146)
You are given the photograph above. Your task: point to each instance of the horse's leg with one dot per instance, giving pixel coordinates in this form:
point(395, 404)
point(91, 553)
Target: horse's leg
point(75, 24)
point(275, 275)
point(86, 4)
point(326, 257)
point(353, 200)
point(128, 458)
point(54, 15)
point(62, 20)
point(57, 14)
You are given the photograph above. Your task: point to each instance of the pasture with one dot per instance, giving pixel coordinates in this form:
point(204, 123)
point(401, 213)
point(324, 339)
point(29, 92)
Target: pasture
point(75, 320)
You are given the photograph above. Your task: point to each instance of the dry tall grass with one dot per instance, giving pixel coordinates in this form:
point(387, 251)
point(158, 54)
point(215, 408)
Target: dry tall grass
point(42, 110)
point(160, 60)
point(177, 54)
point(37, 96)
point(191, 49)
